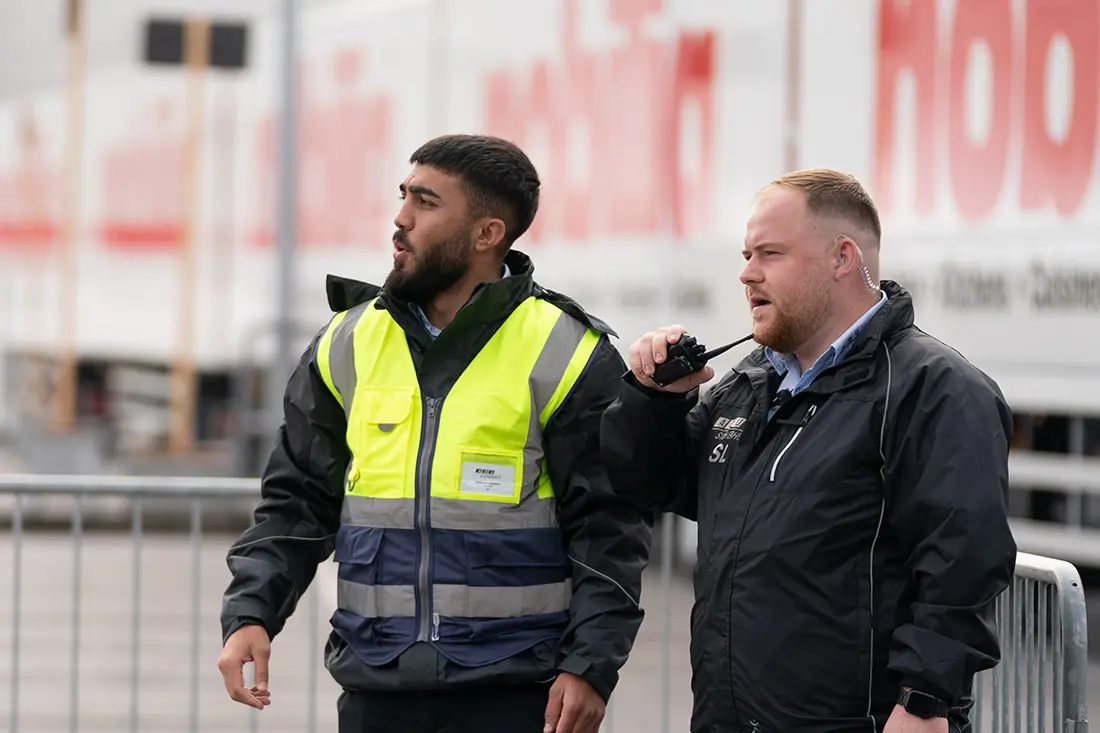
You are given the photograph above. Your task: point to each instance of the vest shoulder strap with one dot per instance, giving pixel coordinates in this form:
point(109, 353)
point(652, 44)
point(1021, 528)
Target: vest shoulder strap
point(334, 354)
point(565, 354)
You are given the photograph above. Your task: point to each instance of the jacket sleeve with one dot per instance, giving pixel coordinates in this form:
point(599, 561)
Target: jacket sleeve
point(607, 539)
point(296, 520)
point(946, 477)
point(650, 444)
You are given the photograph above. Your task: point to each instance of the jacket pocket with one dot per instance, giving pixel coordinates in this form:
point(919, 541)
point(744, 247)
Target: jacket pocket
point(517, 573)
point(381, 435)
point(357, 550)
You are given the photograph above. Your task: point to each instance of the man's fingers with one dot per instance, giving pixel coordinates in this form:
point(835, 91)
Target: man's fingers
point(569, 713)
point(659, 345)
point(233, 673)
point(553, 709)
point(232, 669)
point(645, 355)
point(636, 360)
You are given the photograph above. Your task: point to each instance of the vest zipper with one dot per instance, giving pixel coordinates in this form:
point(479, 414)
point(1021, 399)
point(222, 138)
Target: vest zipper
point(801, 427)
point(423, 493)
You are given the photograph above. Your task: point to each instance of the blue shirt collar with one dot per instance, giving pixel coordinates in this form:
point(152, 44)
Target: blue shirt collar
point(787, 366)
point(428, 326)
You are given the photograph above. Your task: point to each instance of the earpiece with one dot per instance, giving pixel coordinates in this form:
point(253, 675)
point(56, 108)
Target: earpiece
point(867, 280)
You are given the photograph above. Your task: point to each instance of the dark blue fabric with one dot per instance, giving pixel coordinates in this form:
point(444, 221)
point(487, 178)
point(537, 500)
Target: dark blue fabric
point(474, 642)
point(374, 556)
point(375, 640)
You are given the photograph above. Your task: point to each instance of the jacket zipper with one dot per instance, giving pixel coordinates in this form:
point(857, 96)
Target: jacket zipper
point(733, 572)
point(801, 427)
point(422, 493)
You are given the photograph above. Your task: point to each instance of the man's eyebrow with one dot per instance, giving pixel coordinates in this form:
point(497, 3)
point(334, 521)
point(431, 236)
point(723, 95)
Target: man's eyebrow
point(420, 190)
point(763, 245)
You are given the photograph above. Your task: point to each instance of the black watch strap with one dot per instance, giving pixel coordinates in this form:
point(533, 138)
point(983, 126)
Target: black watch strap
point(923, 705)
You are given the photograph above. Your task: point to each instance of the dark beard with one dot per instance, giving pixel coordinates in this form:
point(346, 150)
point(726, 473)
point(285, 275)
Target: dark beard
point(434, 270)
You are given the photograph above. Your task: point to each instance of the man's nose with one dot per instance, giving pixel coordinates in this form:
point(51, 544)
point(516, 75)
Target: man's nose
point(404, 219)
point(750, 273)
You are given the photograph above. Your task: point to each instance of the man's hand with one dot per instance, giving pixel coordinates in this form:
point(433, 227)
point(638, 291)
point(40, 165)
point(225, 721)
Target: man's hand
point(574, 707)
point(902, 721)
point(651, 349)
point(246, 644)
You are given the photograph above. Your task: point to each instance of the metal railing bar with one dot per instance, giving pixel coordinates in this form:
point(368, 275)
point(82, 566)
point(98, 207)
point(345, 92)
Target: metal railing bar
point(125, 486)
point(74, 672)
point(16, 602)
point(196, 608)
point(135, 622)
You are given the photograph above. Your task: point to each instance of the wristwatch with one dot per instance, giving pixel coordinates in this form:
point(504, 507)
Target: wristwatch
point(922, 705)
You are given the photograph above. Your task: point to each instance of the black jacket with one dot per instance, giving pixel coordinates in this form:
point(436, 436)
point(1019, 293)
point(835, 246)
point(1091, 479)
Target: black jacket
point(852, 544)
point(302, 490)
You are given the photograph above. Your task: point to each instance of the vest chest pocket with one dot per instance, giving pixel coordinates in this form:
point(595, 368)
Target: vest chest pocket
point(382, 434)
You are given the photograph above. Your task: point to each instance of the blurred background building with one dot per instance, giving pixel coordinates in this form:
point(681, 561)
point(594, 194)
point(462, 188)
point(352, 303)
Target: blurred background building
point(139, 201)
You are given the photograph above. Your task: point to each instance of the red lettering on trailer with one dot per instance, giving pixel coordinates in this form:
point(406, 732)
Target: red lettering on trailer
point(1060, 171)
point(629, 135)
point(30, 195)
point(913, 40)
point(141, 189)
point(977, 169)
point(348, 190)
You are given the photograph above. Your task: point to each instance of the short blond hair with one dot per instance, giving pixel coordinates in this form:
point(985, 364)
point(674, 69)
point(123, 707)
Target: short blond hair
point(834, 193)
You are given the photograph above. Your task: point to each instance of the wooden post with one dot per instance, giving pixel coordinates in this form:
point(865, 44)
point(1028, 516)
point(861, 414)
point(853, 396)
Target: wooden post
point(181, 436)
point(793, 123)
point(65, 390)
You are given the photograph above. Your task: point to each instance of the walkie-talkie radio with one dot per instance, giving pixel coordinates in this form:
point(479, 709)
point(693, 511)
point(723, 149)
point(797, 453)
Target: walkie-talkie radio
point(687, 356)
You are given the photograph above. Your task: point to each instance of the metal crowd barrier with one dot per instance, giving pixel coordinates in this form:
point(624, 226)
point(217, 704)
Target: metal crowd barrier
point(113, 502)
point(1039, 686)
point(1041, 682)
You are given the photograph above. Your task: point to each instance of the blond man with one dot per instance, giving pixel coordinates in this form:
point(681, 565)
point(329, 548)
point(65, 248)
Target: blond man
point(849, 479)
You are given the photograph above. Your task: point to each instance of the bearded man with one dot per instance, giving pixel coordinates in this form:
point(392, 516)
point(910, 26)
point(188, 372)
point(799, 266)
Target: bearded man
point(441, 438)
point(849, 479)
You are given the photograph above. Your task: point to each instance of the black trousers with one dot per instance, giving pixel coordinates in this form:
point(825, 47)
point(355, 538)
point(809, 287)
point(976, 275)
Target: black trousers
point(498, 709)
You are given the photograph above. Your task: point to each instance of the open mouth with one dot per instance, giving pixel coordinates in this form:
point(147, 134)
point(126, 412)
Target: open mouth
point(755, 301)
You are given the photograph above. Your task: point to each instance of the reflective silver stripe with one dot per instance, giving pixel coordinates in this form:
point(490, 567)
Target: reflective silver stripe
point(375, 601)
point(367, 511)
point(531, 512)
point(341, 357)
point(548, 371)
point(554, 359)
point(364, 511)
point(462, 601)
point(457, 601)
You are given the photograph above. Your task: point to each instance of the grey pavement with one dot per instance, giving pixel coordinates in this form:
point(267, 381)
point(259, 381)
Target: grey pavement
point(166, 651)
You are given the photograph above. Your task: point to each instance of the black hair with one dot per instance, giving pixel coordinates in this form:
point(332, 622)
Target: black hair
point(499, 178)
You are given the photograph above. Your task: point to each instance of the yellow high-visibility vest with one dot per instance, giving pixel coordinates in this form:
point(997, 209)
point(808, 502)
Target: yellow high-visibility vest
point(449, 529)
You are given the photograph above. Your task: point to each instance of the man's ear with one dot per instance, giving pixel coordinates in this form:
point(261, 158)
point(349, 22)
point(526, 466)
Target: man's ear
point(490, 234)
point(845, 253)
